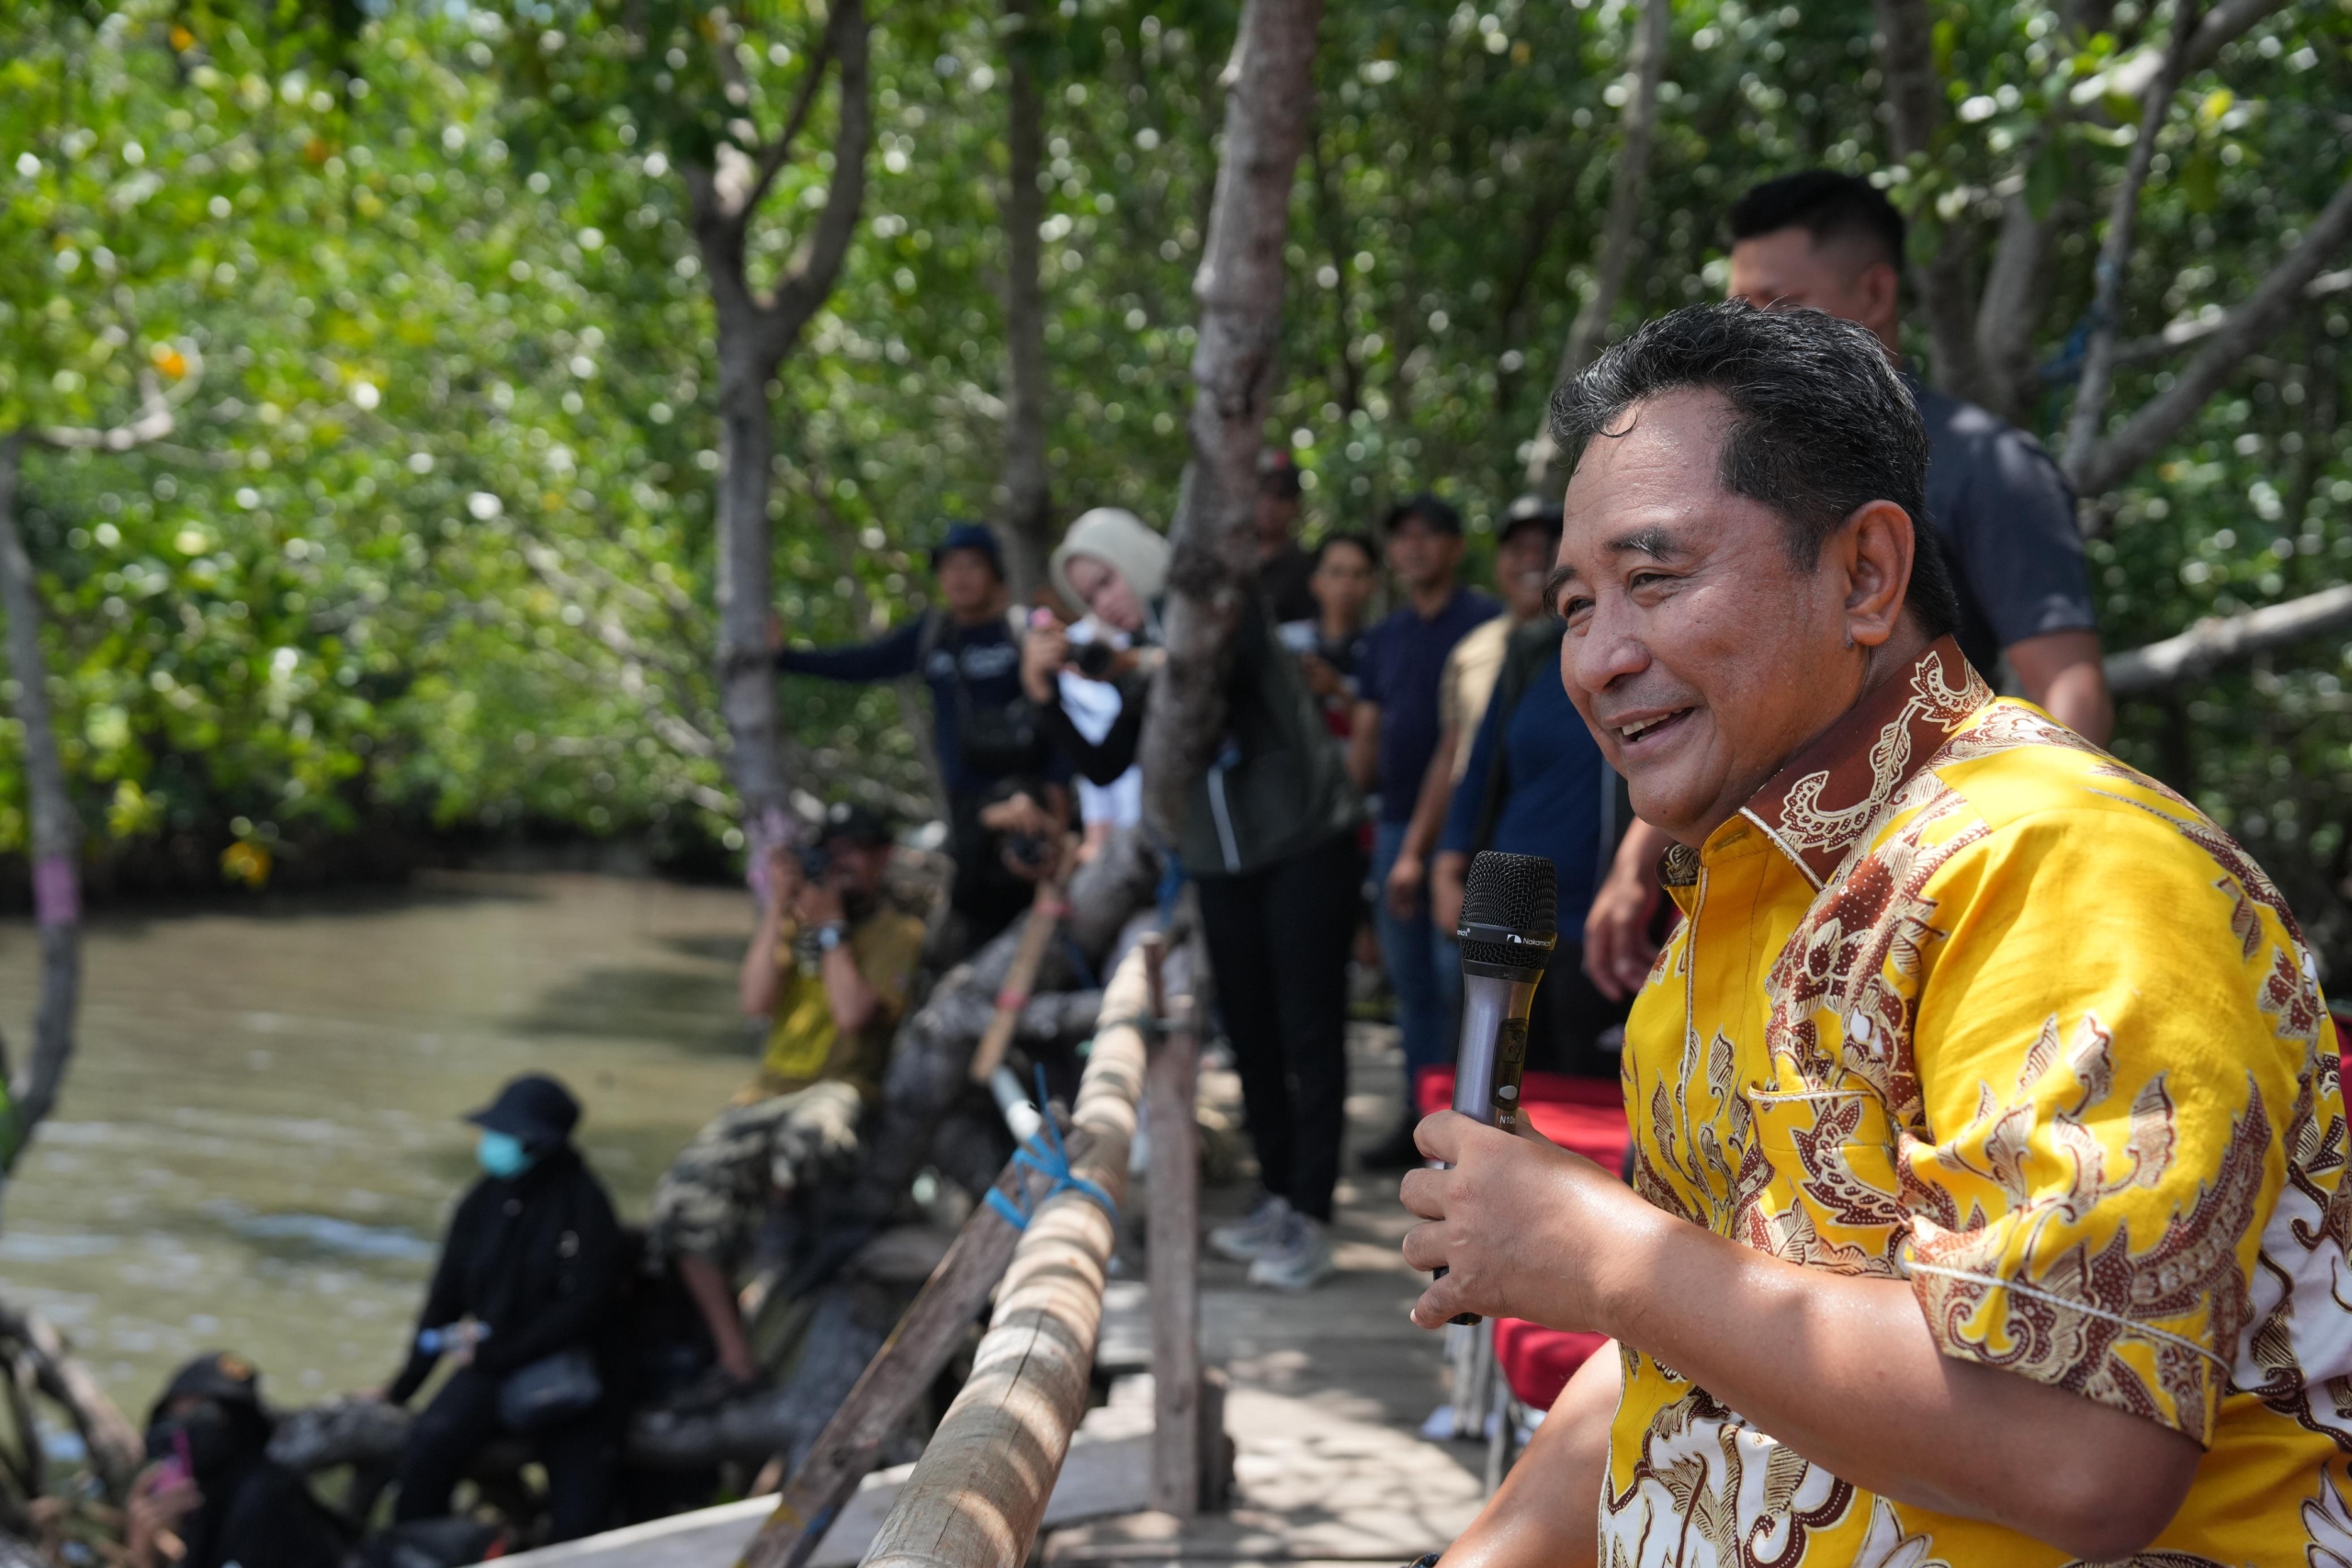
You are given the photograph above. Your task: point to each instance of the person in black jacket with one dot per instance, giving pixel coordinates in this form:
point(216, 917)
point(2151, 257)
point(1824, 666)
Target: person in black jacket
point(1270, 837)
point(213, 1485)
point(529, 1272)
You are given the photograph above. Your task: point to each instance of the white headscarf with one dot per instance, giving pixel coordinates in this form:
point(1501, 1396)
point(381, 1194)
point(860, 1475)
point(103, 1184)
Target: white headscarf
point(1123, 541)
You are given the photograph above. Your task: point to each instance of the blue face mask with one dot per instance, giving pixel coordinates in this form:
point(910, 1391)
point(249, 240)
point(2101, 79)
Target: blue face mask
point(503, 1153)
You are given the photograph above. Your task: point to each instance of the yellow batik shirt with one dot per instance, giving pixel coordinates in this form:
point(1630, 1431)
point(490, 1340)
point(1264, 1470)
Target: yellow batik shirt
point(1963, 1000)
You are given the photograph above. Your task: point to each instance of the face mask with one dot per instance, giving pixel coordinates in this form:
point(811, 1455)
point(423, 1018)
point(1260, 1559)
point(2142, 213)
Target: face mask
point(503, 1153)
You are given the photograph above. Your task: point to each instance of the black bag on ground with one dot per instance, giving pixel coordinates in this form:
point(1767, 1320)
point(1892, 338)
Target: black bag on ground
point(550, 1389)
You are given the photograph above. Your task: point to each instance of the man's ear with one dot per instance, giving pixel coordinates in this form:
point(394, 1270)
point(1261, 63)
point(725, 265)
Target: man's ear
point(1880, 286)
point(1873, 548)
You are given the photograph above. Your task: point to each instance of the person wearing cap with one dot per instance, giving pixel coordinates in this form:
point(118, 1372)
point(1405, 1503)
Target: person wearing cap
point(1268, 838)
point(1284, 570)
point(829, 969)
point(211, 1495)
point(529, 1272)
point(967, 651)
point(1395, 734)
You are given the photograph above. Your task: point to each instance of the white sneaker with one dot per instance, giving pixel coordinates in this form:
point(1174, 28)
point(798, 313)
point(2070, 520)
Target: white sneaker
point(1300, 1261)
point(1246, 1238)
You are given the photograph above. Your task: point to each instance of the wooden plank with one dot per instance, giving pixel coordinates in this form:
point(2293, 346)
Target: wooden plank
point(979, 1494)
point(898, 1375)
point(1174, 1258)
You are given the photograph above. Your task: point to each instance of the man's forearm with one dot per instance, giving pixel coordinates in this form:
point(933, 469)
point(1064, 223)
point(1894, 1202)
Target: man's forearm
point(849, 996)
point(1363, 744)
point(1843, 1370)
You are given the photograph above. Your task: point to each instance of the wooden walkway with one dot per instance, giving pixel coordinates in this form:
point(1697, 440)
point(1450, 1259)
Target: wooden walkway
point(1327, 1389)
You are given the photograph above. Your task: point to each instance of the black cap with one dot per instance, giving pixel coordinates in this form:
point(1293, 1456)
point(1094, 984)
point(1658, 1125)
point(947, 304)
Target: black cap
point(1277, 474)
point(217, 1375)
point(1530, 512)
point(970, 536)
point(534, 1108)
point(859, 825)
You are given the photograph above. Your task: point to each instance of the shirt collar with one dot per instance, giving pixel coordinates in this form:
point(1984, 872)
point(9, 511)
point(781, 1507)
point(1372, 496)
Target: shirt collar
point(1832, 791)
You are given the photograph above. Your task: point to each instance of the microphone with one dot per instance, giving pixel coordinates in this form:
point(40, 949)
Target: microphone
point(1510, 917)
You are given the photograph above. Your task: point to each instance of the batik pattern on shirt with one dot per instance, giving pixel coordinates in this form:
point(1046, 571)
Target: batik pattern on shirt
point(1962, 1000)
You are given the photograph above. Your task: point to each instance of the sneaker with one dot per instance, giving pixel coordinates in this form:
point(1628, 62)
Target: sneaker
point(1300, 1261)
point(1246, 1238)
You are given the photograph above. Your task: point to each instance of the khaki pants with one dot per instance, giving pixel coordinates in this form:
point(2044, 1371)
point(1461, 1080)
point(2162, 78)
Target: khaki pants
point(711, 1199)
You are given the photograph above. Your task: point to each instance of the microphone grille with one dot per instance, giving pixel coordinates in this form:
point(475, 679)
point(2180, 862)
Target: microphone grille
point(1518, 893)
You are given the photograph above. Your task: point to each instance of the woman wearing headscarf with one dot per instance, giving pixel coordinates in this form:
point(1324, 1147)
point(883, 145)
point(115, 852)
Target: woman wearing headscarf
point(525, 1292)
point(1269, 836)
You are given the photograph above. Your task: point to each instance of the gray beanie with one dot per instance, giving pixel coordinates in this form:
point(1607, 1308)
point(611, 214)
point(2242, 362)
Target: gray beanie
point(1121, 540)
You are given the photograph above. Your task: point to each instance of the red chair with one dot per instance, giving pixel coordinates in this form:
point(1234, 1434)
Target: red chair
point(1587, 1116)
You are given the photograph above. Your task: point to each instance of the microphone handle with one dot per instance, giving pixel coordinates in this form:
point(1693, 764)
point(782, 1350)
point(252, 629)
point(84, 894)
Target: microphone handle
point(1493, 1056)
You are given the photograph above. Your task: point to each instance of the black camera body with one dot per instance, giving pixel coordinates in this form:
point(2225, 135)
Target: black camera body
point(1094, 660)
point(814, 862)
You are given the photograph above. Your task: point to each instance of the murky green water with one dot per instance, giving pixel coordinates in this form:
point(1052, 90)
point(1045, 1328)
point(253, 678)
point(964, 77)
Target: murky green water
point(258, 1143)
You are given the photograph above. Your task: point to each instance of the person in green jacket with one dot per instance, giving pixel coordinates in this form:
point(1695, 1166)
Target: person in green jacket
point(1270, 837)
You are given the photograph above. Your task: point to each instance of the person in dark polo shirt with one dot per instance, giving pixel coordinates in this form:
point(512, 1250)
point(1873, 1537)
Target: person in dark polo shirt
point(1999, 507)
point(1395, 733)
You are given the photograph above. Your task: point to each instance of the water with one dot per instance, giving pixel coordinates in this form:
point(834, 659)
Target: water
point(258, 1143)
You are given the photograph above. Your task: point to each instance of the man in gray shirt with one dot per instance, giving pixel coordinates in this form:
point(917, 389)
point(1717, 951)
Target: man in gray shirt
point(1997, 504)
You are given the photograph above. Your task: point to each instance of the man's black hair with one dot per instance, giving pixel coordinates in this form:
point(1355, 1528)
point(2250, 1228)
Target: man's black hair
point(1356, 541)
point(1821, 423)
point(1825, 204)
point(1432, 510)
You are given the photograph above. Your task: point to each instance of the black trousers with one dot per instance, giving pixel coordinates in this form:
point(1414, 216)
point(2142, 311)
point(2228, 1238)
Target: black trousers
point(1278, 942)
point(580, 1456)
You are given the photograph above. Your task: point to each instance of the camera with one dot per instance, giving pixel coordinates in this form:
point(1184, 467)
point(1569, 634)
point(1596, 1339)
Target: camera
point(814, 862)
point(1094, 660)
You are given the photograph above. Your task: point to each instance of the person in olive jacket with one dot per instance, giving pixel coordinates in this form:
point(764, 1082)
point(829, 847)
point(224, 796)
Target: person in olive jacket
point(1270, 837)
point(527, 1285)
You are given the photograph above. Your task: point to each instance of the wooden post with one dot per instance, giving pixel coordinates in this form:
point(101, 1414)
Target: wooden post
point(1173, 1263)
point(845, 1451)
point(979, 1494)
point(1044, 919)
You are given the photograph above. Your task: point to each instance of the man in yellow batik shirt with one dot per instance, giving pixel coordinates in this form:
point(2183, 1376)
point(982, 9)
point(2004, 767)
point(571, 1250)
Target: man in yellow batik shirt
point(830, 968)
point(1988, 1201)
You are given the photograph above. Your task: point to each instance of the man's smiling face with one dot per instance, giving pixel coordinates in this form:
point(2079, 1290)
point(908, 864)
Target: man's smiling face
point(1697, 648)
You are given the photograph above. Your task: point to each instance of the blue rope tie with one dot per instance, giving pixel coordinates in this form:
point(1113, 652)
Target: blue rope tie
point(1047, 1154)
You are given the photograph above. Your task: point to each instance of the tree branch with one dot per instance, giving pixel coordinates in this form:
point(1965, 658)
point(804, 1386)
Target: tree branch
point(779, 152)
point(805, 288)
point(1917, 107)
point(2115, 252)
point(1027, 494)
point(2219, 640)
point(2240, 333)
point(56, 833)
point(2223, 24)
point(2180, 334)
point(1269, 96)
point(1645, 65)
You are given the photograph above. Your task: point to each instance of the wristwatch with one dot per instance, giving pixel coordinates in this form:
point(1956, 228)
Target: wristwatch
point(829, 936)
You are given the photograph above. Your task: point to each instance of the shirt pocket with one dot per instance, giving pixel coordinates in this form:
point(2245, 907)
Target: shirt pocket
point(1833, 1158)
